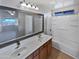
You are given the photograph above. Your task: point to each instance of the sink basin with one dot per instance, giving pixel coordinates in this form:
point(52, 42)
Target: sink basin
point(18, 51)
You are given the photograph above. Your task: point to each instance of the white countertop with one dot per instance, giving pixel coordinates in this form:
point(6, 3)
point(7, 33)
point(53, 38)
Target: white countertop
point(29, 45)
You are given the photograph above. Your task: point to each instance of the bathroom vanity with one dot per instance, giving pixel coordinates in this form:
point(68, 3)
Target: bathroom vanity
point(20, 31)
point(42, 52)
point(31, 48)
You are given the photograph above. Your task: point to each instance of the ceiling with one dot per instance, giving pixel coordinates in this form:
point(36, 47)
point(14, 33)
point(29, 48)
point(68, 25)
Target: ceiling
point(48, 5)
point(63, 3)
point(44, 5)
point(39, 1)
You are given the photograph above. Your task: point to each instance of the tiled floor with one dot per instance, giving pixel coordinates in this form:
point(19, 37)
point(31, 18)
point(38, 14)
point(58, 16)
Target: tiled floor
point(56, 54)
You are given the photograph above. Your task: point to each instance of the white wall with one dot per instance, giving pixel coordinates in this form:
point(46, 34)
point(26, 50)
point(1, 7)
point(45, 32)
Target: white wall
point(66, 33)
point(10, 3)
point(65, 30)
point(47, 23)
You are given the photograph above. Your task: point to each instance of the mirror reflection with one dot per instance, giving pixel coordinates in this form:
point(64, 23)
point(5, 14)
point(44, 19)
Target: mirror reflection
point(14, 24)
point(29, 24)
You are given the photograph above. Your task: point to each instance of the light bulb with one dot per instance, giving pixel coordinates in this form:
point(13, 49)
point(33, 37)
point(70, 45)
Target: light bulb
point(37, 8)
point(23, 4)
point(33, 7)
point(28, 6)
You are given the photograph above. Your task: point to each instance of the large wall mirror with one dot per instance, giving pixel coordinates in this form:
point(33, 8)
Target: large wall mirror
point(17, 25)
point(30, 23)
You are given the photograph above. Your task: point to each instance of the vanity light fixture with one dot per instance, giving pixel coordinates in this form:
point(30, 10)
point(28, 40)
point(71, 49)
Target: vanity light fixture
point(28, 5)
point(35, 7)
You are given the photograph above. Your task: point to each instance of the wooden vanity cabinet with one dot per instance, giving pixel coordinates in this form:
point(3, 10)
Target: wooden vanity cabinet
point(43, 52)
point(36, 54)
point(49, 47)
point(30, 57)
point(46, 50)
point(37, 57)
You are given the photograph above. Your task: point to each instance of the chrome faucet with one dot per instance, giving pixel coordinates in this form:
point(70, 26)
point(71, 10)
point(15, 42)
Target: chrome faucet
point(18, 44)
point(39, 36)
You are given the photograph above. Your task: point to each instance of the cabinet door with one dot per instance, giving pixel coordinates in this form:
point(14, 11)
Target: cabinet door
point(36, 57)
point(49, 47)
point(43, 53)
point(30, 57)
point(36, 52)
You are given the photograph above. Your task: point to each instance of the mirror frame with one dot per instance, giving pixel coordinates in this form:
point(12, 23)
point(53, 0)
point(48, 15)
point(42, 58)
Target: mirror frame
point(4, 44)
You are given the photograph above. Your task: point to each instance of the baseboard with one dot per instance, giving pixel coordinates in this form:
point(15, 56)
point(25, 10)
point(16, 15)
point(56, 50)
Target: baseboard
point(68, 54)
point(64, 51)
